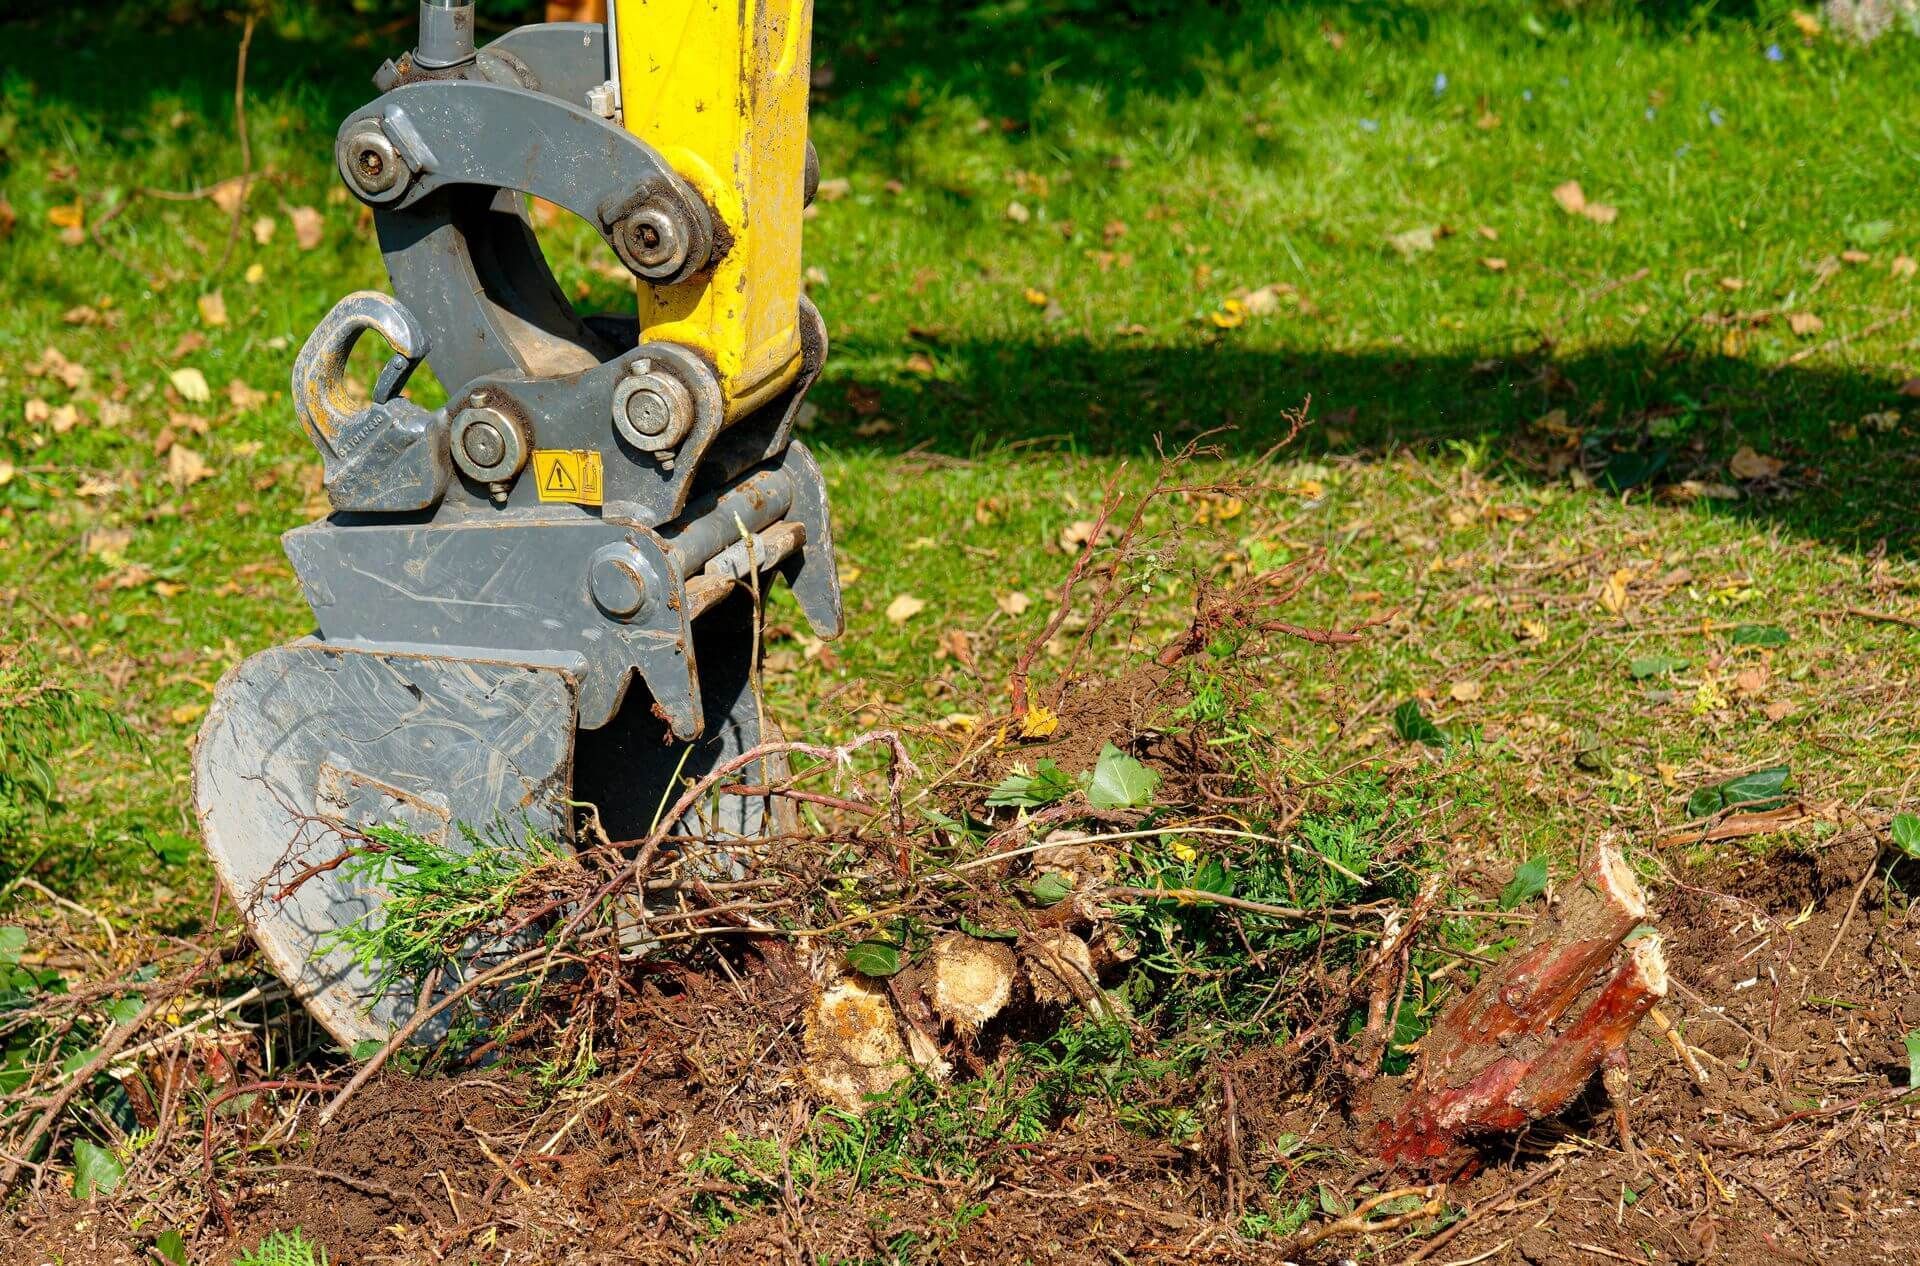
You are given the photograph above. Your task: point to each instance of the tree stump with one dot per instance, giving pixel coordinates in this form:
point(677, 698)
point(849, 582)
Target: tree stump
point(1536, 1027)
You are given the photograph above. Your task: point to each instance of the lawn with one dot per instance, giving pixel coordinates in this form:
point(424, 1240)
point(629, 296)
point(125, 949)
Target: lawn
point(1602, 316)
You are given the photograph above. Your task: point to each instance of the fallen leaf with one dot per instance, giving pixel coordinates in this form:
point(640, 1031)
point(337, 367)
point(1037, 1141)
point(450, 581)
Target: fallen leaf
point(36, 411)
point(1466, 691)
point(1533, 630)
point(1079, 533)
point(64, 419)
point(227, 194)
point(108, 543)
point(1112, 231)
point(263, 229)
point(1572, 199)
point(1018, 213)
point(191, 384)
point(187, 713)
point(956, 643)
point(1489, 232)
point(243, 397)
point(186, 467)
point(213, 308)
point(6, 473)
point(1805, 323)
point(67, 215)
point(1751, 681)
point(1601, 213)
point(1494, 264)
point(1777, 710)
point(1903, 266)
point(1747, 464)
point(52, 364)
point(904, 607)
point(1038, 298)
point(1855, 257)
point(1733, 283)
point(1231, 315)
point(307, 227)
point(1806, 23)
point(1613, 594)
point(1015, 603)
point(920, 363)
point(256, 273)
point(1039, 722)
point(1911, 387)
point(1412, 241)
point(833, 190)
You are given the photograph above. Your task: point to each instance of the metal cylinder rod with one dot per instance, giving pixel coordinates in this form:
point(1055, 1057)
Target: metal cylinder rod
point(732, 565)
point(446, 33)
point(714, 521)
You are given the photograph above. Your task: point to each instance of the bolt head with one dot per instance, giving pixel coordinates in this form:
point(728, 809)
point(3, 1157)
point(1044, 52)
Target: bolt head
point(371, 164)
point(618, 584)
point(655, 241)
point(652, 410)
point(484, 444)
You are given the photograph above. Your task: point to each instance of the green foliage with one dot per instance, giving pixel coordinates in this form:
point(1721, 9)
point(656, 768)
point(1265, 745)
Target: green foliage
point(284, 1248)
point(876, 958)
point(1913, 1058)
point(171, 1247)
point(1045, 785)
point(438, 897)
point(1766, 635)
point(1754, 792)
point(1412, 725)
point(1119, 781)
point(95, 1170)
point(40, 717)
point(1644, 666)
point(1528, 882)
point(1049, 888)
point(1905, 833)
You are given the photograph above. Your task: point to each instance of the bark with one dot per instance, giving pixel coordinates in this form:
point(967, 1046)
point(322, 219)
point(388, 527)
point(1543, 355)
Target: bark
point(1536, 1028)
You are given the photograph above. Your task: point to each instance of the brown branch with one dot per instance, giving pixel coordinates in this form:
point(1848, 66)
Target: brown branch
point(1023, 667)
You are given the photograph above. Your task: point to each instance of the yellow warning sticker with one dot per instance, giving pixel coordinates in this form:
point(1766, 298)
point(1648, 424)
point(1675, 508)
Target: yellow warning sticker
point(572, 475)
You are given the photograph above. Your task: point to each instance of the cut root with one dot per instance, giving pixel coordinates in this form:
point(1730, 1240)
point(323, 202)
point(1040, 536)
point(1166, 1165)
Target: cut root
point(1536, 1028)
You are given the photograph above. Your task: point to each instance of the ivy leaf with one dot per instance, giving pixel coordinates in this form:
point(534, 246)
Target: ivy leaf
point(1759, 635)
point(1045, 785)
point(13, 940)
point(1050, 888)
point(95, 1169)
point(1906, 833)
point(1755, 792)
point(1119, 781)
point(985, 934)
point(875, 958)
point(1645, 666)
point(1913, 1059)
point(1527, 883)
point(1412, 725)
point(172, 1248)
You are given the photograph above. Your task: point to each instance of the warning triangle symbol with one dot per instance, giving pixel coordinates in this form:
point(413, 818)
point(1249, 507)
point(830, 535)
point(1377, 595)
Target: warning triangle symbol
point(558, 480)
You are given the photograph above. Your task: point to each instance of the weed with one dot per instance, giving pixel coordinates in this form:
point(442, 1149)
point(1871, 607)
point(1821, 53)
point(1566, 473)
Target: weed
point(283, 1248)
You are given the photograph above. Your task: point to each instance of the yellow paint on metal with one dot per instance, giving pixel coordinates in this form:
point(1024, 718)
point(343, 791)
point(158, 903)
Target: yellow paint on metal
point(719, 87)
point(573, 475)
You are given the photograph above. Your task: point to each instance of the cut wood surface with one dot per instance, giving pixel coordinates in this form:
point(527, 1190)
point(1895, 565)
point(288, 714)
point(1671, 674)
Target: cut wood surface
point(1536, 1027)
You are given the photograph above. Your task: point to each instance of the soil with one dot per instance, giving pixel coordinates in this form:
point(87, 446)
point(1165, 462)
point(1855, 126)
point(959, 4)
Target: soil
point(1792, 1149)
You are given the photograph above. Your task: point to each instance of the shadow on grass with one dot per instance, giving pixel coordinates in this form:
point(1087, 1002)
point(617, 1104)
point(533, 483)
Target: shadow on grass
point(1635, 417)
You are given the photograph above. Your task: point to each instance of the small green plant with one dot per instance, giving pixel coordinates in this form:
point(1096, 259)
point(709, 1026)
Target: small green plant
point(40, 717)
point(284, 1248)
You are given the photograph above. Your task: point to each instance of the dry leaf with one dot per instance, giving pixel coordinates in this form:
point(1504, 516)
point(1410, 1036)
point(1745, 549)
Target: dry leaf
point(1232, 314)
point(256, 273)
point(956, 643)
point(191, 384)
point(227, 194)
point(920, 363)
point(107, 543)
point(1806, 23)
point(1613, 594)
point(1747, 464)
point(1777, 710)
point(1733, 283)
point(185, 467)
point(243, 397)
point(1805, 323)
point(1039, 722)
point(36, 411)
point(833, 190)
point(1601, 213)
point(64, 419)
point(1018, 213)
point(263, 229)
point(904, 607)
point(1911, 387)
point(1015, 603)
point(1751, 681)
point(1079, 533)
point(1855, 257)
point(1489, 232)
point(1494, 264)
point(213, 308)
point(307, 227)
point(874, 426)
point(1903, 266)
point(1572, 199)
point(1466, 691)
point(1412, 242)
point(187, 713)
point(68, 215)
point(1038, 298)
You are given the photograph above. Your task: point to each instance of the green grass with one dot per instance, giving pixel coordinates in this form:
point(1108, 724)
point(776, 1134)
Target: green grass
point(1163, 163)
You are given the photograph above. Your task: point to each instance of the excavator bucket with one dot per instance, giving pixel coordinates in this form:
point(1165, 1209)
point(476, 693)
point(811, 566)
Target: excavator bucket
point(541, 601)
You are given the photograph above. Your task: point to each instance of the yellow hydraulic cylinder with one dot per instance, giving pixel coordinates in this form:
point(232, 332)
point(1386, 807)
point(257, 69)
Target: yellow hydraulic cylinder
point(719, 88)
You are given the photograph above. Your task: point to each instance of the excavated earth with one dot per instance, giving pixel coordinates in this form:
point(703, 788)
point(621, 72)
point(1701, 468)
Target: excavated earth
point(1793, 1148)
